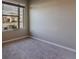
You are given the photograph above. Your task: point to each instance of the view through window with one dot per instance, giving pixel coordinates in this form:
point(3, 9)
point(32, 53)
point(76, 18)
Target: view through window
point(12, 17)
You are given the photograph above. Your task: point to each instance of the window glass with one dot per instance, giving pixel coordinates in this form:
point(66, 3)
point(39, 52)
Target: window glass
point(21, 17)
point(12, 17)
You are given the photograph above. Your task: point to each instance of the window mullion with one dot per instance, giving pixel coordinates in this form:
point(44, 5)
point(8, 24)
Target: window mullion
point(18, 17)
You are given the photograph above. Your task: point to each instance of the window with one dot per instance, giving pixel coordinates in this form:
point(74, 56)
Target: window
point(12, 17)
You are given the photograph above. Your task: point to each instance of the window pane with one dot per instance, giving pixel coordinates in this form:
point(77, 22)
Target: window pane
point(11, 17)
point(21, 17)
point(9, 10)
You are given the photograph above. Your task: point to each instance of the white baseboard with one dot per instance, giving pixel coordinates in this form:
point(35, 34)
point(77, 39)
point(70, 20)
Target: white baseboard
point(48, 42)
point(64, 47)
point(15, 39)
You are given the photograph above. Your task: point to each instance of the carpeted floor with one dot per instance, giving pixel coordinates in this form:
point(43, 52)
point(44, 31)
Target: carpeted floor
point(34, 49)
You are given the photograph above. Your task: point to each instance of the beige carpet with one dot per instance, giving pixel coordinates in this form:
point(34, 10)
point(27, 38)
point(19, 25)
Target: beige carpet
point(34, 49)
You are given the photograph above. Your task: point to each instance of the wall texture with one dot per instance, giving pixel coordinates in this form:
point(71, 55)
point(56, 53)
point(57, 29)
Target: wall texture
point(54, 20)
point(7, 35)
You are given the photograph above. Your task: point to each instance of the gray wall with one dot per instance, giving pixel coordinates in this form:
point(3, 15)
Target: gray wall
point(54, 20)
point(7, 35)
